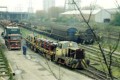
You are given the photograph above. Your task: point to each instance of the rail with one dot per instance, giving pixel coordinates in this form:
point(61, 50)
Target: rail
point(94, 73)
point(5, 69)
point(96, 52)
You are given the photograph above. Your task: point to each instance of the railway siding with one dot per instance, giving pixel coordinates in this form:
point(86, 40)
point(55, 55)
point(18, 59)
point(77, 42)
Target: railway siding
point(91, 50)
point(90, 71)
point(97, 61)
point(95, 51)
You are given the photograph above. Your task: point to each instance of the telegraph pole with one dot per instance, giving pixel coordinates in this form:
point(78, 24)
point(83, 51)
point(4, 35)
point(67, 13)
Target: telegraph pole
point(70, 5)
point(30, 8)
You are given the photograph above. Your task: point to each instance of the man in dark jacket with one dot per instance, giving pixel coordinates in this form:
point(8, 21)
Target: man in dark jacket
point(24, 49)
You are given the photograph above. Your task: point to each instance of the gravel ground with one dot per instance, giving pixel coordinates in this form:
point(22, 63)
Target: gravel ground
point(35, 67)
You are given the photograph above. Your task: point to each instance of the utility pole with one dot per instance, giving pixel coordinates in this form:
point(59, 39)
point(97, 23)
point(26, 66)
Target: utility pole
point(18, 10)
point(30, 8)
point(70, 5)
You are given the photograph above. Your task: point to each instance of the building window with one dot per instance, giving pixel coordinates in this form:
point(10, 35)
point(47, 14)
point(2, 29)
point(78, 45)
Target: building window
point(106, 20)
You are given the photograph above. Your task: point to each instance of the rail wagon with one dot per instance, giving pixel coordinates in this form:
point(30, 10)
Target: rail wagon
point(63, 52)
point(62, 32)
point(66, 33)
point(70, 34)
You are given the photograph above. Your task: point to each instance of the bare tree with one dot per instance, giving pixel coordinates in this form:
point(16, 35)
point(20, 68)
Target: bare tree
point(109, 62)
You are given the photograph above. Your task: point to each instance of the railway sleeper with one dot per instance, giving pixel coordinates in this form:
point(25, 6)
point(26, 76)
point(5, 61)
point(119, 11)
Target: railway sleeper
point(2, 66)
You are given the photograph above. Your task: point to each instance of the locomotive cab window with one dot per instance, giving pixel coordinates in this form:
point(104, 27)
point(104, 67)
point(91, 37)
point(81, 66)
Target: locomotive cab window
point(60, 46)
point(65, 45)
point(73, 44)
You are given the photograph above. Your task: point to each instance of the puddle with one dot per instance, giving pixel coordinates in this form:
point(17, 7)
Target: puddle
point(28, 56)
point(18, 71)
point(19, 54)
point(35, 60)
point(42, 69)
point(18, 74)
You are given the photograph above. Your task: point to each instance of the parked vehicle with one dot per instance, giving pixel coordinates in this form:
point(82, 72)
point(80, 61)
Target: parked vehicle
point(12, 37)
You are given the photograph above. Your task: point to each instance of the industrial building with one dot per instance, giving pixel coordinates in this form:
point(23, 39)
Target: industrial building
point(76, 13)
point(13, 15)
point(100, 15)
point(105, 15)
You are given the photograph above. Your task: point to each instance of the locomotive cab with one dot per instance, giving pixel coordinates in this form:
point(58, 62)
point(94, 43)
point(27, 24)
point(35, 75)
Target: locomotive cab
point(69, 54)
point(64, 46)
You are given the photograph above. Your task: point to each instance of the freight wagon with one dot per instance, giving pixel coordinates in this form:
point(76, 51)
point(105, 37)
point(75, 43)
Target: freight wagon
point(61, 32)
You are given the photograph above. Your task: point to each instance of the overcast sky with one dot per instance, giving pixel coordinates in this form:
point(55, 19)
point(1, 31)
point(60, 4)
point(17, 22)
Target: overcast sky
point(22, 5)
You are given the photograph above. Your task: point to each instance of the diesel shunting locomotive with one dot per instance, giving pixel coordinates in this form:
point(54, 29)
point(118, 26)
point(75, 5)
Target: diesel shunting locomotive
point(64, 52)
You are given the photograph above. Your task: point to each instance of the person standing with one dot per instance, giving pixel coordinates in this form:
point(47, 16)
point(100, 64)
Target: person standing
point(23, 41)
point(24, 47)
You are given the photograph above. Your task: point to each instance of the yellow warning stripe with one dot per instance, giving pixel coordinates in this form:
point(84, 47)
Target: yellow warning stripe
point(84, 63)
point(76, 64)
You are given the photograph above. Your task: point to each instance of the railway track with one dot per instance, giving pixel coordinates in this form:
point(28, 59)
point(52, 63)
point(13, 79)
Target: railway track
point(91, 71)
point(5, 69)
point(96, 52)
point(94, 73)
point(116, 54)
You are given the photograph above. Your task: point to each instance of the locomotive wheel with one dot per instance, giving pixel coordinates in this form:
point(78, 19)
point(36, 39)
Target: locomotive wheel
point(40, 52)
point(31, 47)
point(48, 57)
point(88, 62)
point(52, 57)
point(58, 61)
point(34, 49)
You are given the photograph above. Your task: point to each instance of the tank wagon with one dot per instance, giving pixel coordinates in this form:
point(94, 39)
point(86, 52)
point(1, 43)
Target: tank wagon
point(64, 52)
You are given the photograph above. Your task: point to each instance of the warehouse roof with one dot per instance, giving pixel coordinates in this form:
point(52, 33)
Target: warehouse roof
point(83, 11)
